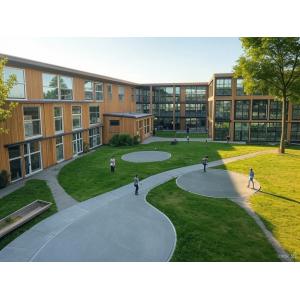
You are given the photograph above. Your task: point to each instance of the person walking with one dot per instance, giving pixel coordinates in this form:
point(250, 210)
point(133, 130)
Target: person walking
point(251, 178)
point(187, 138)
point(136, 184)
point(204, 162)
point(112, 165)
point(187, 130)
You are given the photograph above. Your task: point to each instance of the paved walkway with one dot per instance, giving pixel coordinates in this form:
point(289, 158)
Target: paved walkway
point(115, 226)
point(146, 156)
point(153, 139)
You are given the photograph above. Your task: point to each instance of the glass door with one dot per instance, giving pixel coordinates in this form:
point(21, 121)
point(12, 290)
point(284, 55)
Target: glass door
point(15, 162)
point(32, 157)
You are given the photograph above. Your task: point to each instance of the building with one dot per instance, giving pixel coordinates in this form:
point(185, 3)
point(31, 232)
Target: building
point(62, 112)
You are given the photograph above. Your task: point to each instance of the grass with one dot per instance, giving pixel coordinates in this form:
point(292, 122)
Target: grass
point(34, 189)
point(278, 204)
point(90, 175)
point(180, 134)
point(210, 229)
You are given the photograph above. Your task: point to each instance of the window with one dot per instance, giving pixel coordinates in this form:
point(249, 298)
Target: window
point(223, 109)
point(94, 115)
point(32, 157)
point(77, 143)
point(50, 86)
point(221, 130)
point(275, 110)
point(76, 117)
point(88, 90)
point(58, 119)
point(66, 88)
point(240, 87)
point(114, 123)
point(94, 137)
point(259, 109)
point(18, 90)
point(273, 132)
point(223, 87)
point(121, 93)
point(296, 112)
point(32, 121)
point(258, 132)
point(241, 131)
point(59, 149)
point(295, 132)
point(195, 93)
point(242, 109)
point(15, 162)
point(109, 91)
point(99, 91)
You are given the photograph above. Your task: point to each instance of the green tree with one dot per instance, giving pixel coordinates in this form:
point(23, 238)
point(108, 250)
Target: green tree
point(271, 66)
point(6, 108)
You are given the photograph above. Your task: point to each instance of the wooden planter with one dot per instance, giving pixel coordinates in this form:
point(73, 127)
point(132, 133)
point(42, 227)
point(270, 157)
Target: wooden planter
point(23, 215)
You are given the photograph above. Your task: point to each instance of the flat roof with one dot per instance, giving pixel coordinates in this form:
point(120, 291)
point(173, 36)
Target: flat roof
point(128, 115)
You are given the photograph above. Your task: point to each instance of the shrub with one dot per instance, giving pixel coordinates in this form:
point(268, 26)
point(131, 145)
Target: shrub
point(4, 177)
point(136, 140)
point(121, 140)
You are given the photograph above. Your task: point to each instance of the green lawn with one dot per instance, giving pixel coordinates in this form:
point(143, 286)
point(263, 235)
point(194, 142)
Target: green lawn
point(180, 134)
point(90, 175)
point(34, 189)
point(279, 202)
point(210, 229)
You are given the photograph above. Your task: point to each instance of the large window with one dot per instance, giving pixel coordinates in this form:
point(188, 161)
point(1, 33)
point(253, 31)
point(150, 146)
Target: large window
point(258, 132)
point(273, 132)
point(58, 119)
point(121, 93)
point(15, 162)
point(275, 110)
point(295, 132)
point(32, 157)
point(241, 131)
point(76, 117)
point(240, 87)
point(296, 112)
point(77, 143)
point(57, 87)
point(223, 109)
point(32, 121)
point(259, 109)
point(94, 114)
point(50, 86)
point(109, 91)
point(221, 130)
point(88, 90)
point(94, 137)
point(223, 87)
point(59, 149)
point(163, 94)
point(99, 91)
point(114, 123)
point(195, 93)
point(18, 90)
point(242, 109)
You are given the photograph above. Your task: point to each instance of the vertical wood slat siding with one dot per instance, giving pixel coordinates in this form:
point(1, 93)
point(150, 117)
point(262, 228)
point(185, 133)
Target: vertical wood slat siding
point(34, 85)
point(78, 89)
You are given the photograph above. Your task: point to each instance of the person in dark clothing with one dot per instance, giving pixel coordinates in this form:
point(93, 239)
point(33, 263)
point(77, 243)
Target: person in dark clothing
point(204, 162)
point(136, 184)
point(227, 138)
point(187, 130)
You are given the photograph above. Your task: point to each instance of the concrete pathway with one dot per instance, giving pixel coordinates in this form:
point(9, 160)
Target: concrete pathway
point(62, 199)
point(115, 226)
point(153, 139)
point(146, 156)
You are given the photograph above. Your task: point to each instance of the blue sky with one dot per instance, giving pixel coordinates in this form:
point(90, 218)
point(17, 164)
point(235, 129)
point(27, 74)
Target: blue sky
point(140, 60)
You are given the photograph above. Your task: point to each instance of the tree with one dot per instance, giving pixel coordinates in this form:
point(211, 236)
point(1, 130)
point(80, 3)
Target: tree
point(272, 66)
point(6, 108)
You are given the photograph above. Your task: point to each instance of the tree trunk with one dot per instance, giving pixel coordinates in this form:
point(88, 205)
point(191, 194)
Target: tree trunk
point(283, 126)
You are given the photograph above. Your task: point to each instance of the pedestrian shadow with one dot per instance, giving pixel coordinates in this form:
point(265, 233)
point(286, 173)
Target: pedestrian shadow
point(280, 197)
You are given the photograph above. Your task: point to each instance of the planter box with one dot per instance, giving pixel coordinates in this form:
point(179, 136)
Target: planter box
point(23, 215)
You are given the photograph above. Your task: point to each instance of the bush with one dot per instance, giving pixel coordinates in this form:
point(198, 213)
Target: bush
point(86, 147)
point(4, 178)
point(121, 140)
point(136, 140)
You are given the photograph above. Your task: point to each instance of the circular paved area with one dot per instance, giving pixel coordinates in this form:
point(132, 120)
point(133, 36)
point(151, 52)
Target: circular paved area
point(146, 156)
point(217, 184)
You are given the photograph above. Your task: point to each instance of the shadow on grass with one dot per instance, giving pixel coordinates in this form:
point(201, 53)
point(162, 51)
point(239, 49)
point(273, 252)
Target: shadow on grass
point(280, 197)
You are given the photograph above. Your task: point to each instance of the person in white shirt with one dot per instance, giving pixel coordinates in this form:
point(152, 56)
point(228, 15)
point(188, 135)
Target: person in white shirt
point(112, 164)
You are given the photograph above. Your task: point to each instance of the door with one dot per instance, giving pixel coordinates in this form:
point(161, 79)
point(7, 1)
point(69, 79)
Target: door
point(32, 158)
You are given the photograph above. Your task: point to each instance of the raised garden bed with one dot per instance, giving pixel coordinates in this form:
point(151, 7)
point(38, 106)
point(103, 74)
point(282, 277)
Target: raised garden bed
point(23, 215)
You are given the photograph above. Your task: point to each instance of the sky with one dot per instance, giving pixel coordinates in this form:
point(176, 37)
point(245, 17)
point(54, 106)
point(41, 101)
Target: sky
point(140, 60)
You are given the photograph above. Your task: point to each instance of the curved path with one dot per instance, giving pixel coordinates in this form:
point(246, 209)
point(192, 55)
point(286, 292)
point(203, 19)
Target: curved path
point(146, 156)
point(115, 226)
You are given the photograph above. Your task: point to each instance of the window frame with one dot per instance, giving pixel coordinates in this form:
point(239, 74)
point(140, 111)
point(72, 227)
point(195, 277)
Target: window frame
point(98, 118)
point(78, 128)
point(40, 120)
point(55, 118)
point(63, 148)
point(120, 87)
point(18, 83)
